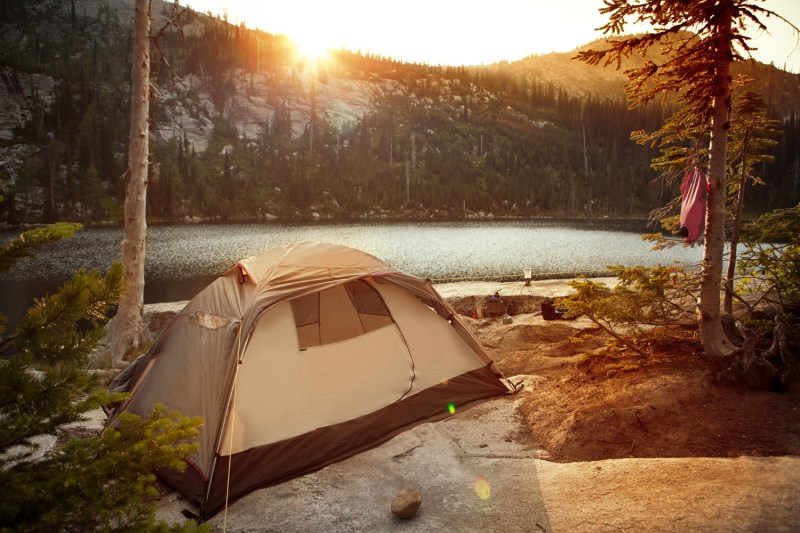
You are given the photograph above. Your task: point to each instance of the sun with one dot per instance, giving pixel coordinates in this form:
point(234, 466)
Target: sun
point(312, 45)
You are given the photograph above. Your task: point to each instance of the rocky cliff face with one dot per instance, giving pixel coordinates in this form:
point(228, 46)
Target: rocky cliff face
point(21, 96)
point(250, 106)
point(187, 108)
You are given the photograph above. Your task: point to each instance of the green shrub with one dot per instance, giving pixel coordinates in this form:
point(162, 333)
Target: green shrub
point(98, 482)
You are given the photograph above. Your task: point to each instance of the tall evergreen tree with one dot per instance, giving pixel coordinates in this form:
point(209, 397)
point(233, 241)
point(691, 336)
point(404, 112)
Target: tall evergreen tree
point(752, 135)
point(698, 40)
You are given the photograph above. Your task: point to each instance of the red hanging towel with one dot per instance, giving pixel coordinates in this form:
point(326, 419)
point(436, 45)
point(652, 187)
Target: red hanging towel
point(694, 191)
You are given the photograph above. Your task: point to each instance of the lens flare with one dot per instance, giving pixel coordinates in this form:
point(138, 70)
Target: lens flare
point(482, 488)
point(451, 408)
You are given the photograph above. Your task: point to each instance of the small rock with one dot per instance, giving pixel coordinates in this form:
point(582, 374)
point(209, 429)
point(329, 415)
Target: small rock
point(406, 503)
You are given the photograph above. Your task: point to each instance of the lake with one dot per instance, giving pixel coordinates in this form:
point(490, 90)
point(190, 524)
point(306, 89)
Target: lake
point(181, 260)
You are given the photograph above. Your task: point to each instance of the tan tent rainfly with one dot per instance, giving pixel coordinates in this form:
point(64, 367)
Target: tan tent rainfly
point(338, 351)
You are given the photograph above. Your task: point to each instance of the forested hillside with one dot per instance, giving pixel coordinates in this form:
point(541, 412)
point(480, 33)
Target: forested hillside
point(244, 128)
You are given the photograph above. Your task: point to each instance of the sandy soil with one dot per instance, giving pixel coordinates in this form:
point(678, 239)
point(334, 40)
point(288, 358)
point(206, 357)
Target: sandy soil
point(589, 408)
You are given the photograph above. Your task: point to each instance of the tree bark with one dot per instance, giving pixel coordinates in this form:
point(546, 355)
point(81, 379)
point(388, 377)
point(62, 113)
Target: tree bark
point(728, 306)
point(127, 334)
point(713, 337)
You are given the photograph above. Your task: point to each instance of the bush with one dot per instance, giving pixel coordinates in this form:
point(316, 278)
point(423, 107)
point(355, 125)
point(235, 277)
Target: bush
point(101, 482)
point(771, 262)
point(657, 296)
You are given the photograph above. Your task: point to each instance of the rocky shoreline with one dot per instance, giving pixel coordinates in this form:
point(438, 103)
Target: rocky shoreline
point(465, 296)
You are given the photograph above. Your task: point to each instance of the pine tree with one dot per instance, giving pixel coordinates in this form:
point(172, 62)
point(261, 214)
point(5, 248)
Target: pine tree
point(24, 245)
point(752, 135)
point(698, 42)
point(94, 483)
point(773, 255)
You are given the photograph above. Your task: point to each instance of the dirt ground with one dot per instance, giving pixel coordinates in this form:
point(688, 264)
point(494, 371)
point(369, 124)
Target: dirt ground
point(588, 445)
point(592, 443)
point(591, 407)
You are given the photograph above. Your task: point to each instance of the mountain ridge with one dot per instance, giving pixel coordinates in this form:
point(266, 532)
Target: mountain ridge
point(254, 132)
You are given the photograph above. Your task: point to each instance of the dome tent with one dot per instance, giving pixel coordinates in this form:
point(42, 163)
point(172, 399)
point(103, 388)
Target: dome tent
point(300, 357)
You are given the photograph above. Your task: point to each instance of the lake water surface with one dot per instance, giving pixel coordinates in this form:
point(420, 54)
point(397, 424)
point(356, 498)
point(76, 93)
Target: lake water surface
point(181, 260)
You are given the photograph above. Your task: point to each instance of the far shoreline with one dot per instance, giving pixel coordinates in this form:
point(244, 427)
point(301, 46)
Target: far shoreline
point(620, 223)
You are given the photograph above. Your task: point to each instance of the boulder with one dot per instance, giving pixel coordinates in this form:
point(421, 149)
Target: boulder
point(406, 503)
point(157, 316)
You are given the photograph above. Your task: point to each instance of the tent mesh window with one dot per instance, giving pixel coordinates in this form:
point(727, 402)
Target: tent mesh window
point(366, 299)
point(338, 314)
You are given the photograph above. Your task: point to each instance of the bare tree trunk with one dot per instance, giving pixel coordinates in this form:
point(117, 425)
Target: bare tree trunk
point(128, 331)
point(728, 306)
point(713, 337)
point(411, 169)
point(586, 171)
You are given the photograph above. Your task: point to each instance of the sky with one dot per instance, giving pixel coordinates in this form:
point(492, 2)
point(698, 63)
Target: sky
point(464, 32)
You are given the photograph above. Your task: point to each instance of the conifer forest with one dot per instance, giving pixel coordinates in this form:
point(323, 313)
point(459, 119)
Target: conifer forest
point(243, 128)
